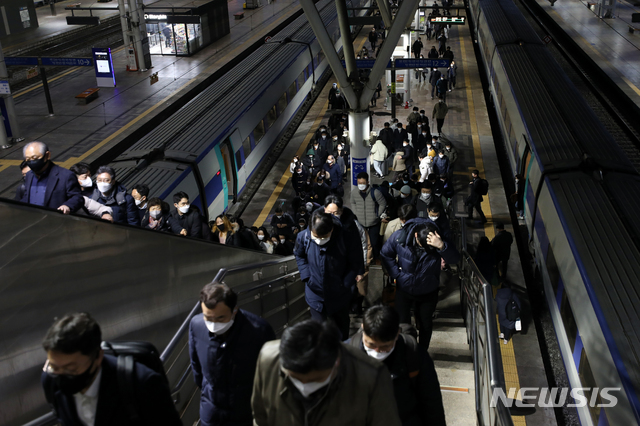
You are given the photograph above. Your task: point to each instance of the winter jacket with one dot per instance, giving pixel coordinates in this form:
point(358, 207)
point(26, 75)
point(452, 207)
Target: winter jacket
point(502, 298)
point(440, 110)
point(353, 229)
point(94, 208)
point(435, 77)
point(361, 394)
point(422, 205)
point(62, 188)
point(368, 206)
point(335, 174)
point(452, 154)
point(285, 219)
point(399, 162)
point(379, 151)
point(441, 165)
point(426, 168)
point(164, 222)
point(224, 366)
point(329, 271)
point(392, 227)
point(191, 221)
point(416, 271)
point(415, 382)
point(386, 136)
point(122, 204)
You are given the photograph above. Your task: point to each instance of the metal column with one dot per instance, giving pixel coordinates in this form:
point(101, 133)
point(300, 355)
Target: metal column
point(347, 49)
point(10, 106)
point(139, 30)
point(359, 143)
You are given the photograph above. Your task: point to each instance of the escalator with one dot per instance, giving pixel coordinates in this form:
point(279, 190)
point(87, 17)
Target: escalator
point(138, 284)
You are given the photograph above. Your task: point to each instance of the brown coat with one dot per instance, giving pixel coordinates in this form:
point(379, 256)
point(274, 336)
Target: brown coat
point(360, 395)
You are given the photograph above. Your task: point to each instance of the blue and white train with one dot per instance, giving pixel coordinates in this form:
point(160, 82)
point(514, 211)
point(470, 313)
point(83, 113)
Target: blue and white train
point(582, 201)
point(211, 147)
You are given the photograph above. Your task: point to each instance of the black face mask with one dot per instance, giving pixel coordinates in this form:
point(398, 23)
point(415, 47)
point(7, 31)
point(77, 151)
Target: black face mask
point(71, 384)
point(221, 227)
point(37, 165)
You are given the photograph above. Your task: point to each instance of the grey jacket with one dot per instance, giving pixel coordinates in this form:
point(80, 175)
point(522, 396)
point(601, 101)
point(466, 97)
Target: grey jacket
point(365, 209)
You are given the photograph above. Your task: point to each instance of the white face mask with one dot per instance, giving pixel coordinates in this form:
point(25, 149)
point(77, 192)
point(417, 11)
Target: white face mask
point(261, 237)
point(306, 389)
point(517, 180)
point(404, 195)
point(282, 240)
point(434, 218)
point(424, 134)
point(321, 241)
point(425, 196)
point(362, 187)
point(219, 327)
point(380, 356)
point(155, 213)
point(104, 187)
point(441, 155)
point(87, 183)
point(184, 209)
point(138, 202)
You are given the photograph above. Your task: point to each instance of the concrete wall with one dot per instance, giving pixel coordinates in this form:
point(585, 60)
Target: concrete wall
point(14, 20)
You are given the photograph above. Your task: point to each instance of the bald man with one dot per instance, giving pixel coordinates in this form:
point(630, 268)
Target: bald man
point(47, 184)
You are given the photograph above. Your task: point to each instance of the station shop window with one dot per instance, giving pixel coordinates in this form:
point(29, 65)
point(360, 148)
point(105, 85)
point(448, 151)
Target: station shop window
point(291, 91)
point(552, 268)
point(246, 147)
point(258, 133)
point(589, 382)
point(282, 103)
point(570, 326)
point(239, 162)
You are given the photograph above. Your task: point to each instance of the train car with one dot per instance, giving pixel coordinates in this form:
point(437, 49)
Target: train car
point(579, 211)
point(212, 146)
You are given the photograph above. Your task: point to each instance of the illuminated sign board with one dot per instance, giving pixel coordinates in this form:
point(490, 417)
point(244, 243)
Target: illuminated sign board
point(452, 20)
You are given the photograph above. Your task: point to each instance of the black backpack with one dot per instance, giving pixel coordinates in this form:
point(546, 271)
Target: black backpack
point(129, 353)
point(483, 188)
point(512, 310)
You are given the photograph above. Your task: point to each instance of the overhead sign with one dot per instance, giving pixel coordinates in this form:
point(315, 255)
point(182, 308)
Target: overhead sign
point(67, 62)
point(452, 20)
point(155, 17)
point(16, 61)
point(4, 87)
point(422, 63)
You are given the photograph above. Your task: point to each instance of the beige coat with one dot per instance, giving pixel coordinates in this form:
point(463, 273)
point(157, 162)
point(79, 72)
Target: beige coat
point(360, 395)
point(398, 162)
point(379, 151)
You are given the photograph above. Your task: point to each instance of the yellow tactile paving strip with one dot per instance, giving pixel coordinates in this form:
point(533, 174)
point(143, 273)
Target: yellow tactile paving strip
point(508, 355)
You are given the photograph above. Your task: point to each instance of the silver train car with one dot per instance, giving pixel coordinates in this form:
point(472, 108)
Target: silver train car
point(211, 147)
point(581, 210)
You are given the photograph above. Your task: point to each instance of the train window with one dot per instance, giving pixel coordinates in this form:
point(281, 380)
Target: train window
point(291, 91)
point(301, 79)
point(320, 56)
point(246, 147)
point(282, 103)
point(270, 118)
point(570, 326)
point(239, 162)
point(588, 382)
point(258, 133)
point(552, 269)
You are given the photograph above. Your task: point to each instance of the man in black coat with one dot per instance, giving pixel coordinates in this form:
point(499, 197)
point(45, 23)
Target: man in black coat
point(386, 136)
point(186, 219)
point(224, 343)
point(373, 38)
point(81, 382)
point(399, 135)
point(474, 200)
point(433, 80)
point(47, 184)
point(502, 247)
point(416, 48)
point(415, 381)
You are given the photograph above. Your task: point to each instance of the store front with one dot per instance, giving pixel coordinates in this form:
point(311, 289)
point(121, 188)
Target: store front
point(182, 31)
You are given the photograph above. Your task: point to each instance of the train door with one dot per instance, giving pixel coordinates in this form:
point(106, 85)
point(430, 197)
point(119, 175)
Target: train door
point(231, 176)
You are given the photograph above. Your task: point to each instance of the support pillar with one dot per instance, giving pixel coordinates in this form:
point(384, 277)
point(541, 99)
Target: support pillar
point(139, 30)
point(347, 46)
point(359, 143)
point(10, 106)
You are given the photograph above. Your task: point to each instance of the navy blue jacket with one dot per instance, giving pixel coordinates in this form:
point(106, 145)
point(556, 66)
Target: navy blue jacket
point(335, 174)
point(191, 221)
point(441, 165)
point(223, 367)
point(62, 189)
point(123, 205)
point(153, 401)
point(329, 271)
point(415, 271)
point(502, 298)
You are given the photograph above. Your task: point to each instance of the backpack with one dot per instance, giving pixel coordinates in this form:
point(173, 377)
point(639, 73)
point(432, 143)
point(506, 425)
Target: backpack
point(129, 353)
point(483, 188)
point(512, 310)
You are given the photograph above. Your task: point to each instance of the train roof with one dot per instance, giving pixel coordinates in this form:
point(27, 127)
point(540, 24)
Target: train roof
point(609, 258)
point(507, 26)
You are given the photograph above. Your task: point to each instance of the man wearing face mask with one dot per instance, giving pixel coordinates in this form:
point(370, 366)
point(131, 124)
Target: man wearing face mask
point(24, 168)
point(90, 207)
point(224, 343)
point(333, 172)
point(140, 194)
point(369, 204)
point(412, 256)
point(329, 263)
point(81, 382)
point(157, 217)
point(186, 220)
point(110, 193)
point(415, 382)
point(48, 184)
point(441, 163)
point(310, 378)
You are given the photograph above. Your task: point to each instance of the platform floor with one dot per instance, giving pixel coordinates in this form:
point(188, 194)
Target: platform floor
point(78, 132)
point(467, 126)
point(607, 41)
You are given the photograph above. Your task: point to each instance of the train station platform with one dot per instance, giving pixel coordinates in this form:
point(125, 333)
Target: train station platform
point(609, 42)
point(467, 127)
point(82, 132)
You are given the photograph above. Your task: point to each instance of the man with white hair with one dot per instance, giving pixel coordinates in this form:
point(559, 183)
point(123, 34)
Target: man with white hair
point(47, 184)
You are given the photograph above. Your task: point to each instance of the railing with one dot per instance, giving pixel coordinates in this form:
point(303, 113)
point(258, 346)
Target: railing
point(272, 290)
point(482, 333)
